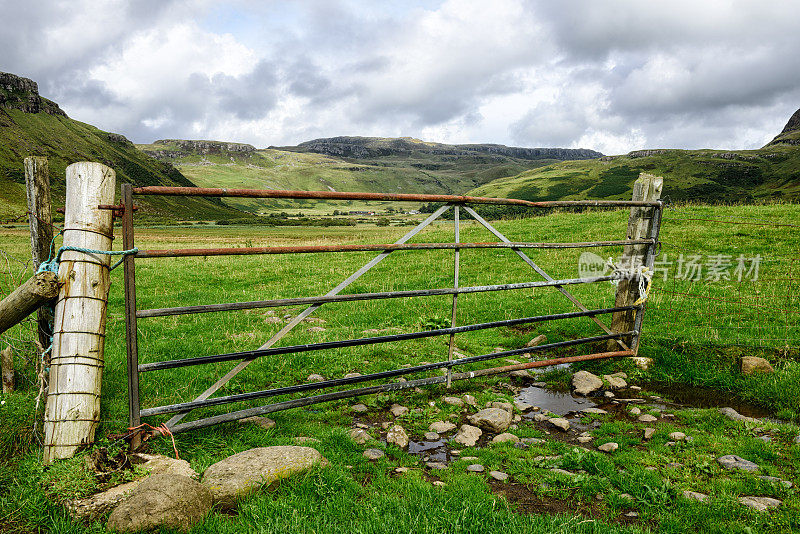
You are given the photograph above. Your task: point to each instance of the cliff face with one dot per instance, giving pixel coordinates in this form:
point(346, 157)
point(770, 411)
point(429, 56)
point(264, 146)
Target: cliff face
point(21, 93)
point(790, 135)
point(375, 147)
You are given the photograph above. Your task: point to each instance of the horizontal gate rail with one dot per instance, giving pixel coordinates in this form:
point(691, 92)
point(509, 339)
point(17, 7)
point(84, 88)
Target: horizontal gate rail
point(310, 386)
point(207, 308)
point(310, 249)
point(245, 355)
point(410, 197)
point(396, 386)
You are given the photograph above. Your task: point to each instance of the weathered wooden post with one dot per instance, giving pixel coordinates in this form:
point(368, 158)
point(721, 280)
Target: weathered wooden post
point(647, 188)
point(7, 365)
point(73, 401)
point(23, 301)
point(37, 185)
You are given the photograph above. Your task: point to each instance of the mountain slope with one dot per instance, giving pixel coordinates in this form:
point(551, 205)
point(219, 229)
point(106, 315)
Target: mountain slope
point(772, 172)
point(32, 125)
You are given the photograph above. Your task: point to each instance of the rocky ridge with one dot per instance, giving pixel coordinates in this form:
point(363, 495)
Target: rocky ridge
point(21, 93)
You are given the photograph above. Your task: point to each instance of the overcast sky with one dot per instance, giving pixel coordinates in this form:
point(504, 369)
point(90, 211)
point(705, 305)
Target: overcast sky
point(609, 75)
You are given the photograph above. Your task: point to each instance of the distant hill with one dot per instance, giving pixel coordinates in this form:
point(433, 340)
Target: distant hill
point(31, 125)
point(401, 165)
point(772, 172)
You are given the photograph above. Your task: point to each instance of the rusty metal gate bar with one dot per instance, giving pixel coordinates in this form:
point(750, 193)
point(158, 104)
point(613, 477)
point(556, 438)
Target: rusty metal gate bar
point(247, 357)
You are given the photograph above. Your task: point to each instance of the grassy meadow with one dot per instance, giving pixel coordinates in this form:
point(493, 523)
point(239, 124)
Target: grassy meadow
point(695, 332)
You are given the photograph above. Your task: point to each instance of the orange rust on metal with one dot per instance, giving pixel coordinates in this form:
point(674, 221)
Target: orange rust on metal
point(546, 363)
point(341, 195)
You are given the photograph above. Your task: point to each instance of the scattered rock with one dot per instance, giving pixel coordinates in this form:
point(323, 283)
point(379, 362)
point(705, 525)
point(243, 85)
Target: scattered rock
point(560, 422)
point(454, 401)
point(441, 427)
point(538, 340)
point(609, 394)
point(315, 378)
point(732, 414)
point(562, 472)
point(507, 406)
point(634, 388)
point(647, 433)
point(360, 436)
point(776, 480)
point(532, 441)
point(635, 411)
point(468, 435)
point(498, 475)
point(165, 500)
point(521, 373)
point(584, 439)
point(522, 406)
point(695, 496)
point(432, 436)
point(436, 465)
point(245, 472)
point(585, 382)
point(608, 447)
point(397, 436)
point(264, 422)
point(373, 454)
point(439, 483)
point(754, 364)
point(397, 410)
point(352, 375)
point(626, 496)
point(598, 411)
point(470, 400)
point(539, 417)
point(401, 470)
point(677, 436)
point(642, 362)
point(760, 503)
point(731, 461)
point(501, 438)
point(632, 514)
point(492, 419)
point(475, 468)
point(615, 381)
point(646, 418)
point(359, 408)
point(315, 329)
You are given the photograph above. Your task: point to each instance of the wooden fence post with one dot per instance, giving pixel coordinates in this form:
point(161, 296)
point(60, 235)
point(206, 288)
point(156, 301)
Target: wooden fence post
point(37, 184)
point(640, 222)
point(73, 400)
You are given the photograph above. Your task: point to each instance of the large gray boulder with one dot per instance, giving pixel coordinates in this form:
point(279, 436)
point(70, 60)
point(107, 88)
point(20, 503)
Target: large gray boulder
point(731, 461)
point(492, 419)
point(244, 473)
point(584, 383)
point(172, 501)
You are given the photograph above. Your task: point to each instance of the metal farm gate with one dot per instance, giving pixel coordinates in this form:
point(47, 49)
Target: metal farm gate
point(642, 242)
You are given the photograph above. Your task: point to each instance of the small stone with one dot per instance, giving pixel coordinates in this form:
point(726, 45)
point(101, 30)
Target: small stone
point(776, 480)
point(438, 483)
point(646, 418)
point(632, 514)
point(468, 435)
point(441, 427)
point(635, 411)
point(560, 422)
point(615, 381)
point(608, 447)
point(272, 320)
point(264, 422)
point(359, 408)
point(521, 373)
point(695, 496)
point(760, 503)
point(470, 400)
point(585, 439)
point(315, 329)
point(373, 454)
point(507, 406)
point(509, 360)
point(562, 472)
point(352, 375)
point(498, 475)
point(315, 378)
point(385, 425)
point(642, 362)
point(454, 401)
point(470, 458)
point(634, 388)
point(539, 417)
point(502, 438)
point(598, 411)
point(475, 468)
point(609, 394)
point(677, 436)
point(647, 433)
point(532, 441)
point(732, 414)
point(432, 436)
point(754, 364)
point(585, 382)
point(362, 425)
point(401, 470)
point(360, 436)
point(397, 411)
point(522, 406)
point(403, 366)
point(538, 340)
point(669, 444)
point(731, 461)
point(436, 465)
point(397, 436)
point(626, 496)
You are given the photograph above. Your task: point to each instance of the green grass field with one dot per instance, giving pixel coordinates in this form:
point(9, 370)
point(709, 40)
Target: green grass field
point(694, 330)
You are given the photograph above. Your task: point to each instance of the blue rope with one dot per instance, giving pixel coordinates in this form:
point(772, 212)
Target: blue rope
point(52, 265)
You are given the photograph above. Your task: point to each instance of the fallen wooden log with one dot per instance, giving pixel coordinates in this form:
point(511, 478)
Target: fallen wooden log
point(26, 299)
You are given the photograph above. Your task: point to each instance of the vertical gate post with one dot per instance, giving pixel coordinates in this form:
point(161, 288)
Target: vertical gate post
point(642, 224)
point(73, 401)
point(131, 334)
point(456, 266)
point(37, 185)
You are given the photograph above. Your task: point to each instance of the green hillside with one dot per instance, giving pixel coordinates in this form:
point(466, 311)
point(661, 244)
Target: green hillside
point(385, 165)
point(33, 126)
point(712, 176)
